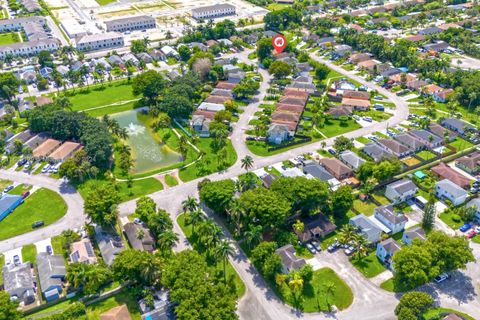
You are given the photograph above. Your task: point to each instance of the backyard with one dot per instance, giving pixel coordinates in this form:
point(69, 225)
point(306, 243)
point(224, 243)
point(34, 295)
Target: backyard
point(335, 128)
point(43, 204)
point(8, 38)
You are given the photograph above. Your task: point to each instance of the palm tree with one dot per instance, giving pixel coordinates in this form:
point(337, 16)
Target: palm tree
point(247, 162)
point(76, 274)
point(236, 213)
point(362, 246)
point(253, 235)
point(296, 286)
point(190, 204)
point(329, 290)
point(63, 102)
point(347, 233)
point(166, 240)
point(222, 252)
point(195, 217)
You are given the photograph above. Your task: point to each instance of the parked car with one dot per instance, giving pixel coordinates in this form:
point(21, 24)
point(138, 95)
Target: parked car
point(21, 162)
point(465, 227)
point(316, 245)
point(8, 189)
point(37, 224)
point(471, 233)
point(334, 246)
point(368, 119)
point(49, 250)
point(442, 277)
point(332, 151)
point(311, 248)
point(25, 194)
point(349, 250)
point(16, 260)
point(46, 168)
point(137, 221)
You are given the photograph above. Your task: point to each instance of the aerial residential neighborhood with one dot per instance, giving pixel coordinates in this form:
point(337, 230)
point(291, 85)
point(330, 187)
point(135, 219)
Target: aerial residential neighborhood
point(241, 159)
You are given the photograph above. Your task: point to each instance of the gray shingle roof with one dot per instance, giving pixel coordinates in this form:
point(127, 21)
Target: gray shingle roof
point(289, 259)
point(352, 159)
point(51, 268)
point(365, 225)
point(317, 171)
point(389, 214)
point(451, 188)
point(403, 186)
point(390, 245)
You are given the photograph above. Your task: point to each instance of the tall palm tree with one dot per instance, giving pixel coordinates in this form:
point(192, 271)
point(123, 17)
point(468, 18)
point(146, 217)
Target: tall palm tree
point(362, 246)
point(222, 252)
point(253, 235)
point(236, 213)
point(330, 288)
point(296, 286)
point(195, 217)
point(347, 233)
point(190, 204)
point(166, 240)
point(247, 162)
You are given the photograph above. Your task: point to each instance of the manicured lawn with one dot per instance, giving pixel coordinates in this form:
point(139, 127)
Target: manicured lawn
point(193, 239)
point(461, 144)
point(365, 207)
point(447, 217)
point(369, 266)
point(411, 161)
point(57, 244)
point(334, 128)
point(98, 95)
point(100, 112)
point(8, 38)
point(95, 310)
point(314, 298)
point(29, 253)
point(20, 189)
point(105, 2)
point(4, 184)
point(363, 140)
point(139, 188)
point(437, 313)
point(426, 155)
point(43, 204)
point(171, 181)
point(211, 161)
point(392, 286)
point(381, 198)
point(277, 6)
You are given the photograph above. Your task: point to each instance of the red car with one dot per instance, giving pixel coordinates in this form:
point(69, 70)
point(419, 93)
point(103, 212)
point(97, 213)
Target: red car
point(470, 234)
point(25, 194)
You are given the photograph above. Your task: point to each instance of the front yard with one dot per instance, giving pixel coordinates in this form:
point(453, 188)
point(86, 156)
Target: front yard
point(369, 266)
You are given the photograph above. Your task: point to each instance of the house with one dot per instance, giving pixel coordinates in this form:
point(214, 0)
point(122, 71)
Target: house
point(414, 144)
point(353, 94)
point(446, 189)
point(213, 11)
point(414, 233)
point(18, 281)
point(267, 180)
point(316, 226)
point(161, 308)
point(475, 203)
point(395, 222)
point(416, 38)
point(339, 111)
point(115, 60)
point(385, 251)
point(437, 47)
point(416, 85)
point(430, 31)
point(82, 252)
point(443, 171)
point(429, 139)
point(109, 243)
point(168, 51)
point(130, 58)
point(65, 151)
point(139, 237)
point(342, 50)
point(388, 72)
point(117, 313)
point(452, 316)
point(290, 261)
point(45, 149)
point(443, 95)
point(442, 132)
point(400, 191)
point(358, 57)
point(369, 65)
point(366, 227)
point(144, 57)
point(215, 107)
point(376, 152)
point(8, 203)
point(357, 104)
point(469, 163)
point(100, 41)
point(337, 168)
point(394, 147)
point(51, 272)
point(431, 89)
point(313, 169)
point(351, 159)
point(456, 125)
point(157, 55)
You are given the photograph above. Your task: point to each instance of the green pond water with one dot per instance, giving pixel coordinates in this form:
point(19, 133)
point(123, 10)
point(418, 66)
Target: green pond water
point(148, 154)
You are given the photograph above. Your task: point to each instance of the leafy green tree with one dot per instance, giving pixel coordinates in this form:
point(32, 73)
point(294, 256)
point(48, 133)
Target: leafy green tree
point(138, 46)
point(101, 203)
point(342, 143)
point(341, 201)
point(150, 84)
point(140, 267)
point(282, 19)
point(146, 207)
point(8, 86)
point(184, 53)
point(246, 88)
point(45, 59)
point(217, 195)
point(428, 219)
point(8, 308)
point(87, 277)
point(416, 302)
point(321, 71)
point(78, 168)
point(264, 48)
point(280, 69)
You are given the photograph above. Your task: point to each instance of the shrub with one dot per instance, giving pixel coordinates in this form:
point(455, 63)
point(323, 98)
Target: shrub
point(456, 218)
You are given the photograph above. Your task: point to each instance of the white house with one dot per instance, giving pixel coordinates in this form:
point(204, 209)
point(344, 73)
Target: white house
point(400, 191)
point(395, 222)
point(385, 251)
point(448, 190)
point(290, 261)
point(366, 227)
point(475, 203)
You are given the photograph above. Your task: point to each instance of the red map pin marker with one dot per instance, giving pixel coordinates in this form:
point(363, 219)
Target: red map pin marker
point(279, 42)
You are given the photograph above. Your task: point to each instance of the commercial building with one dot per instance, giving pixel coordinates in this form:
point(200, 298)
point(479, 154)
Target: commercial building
point(214, 11)
point(8, 203)
point(131, 23)
point(100, 41)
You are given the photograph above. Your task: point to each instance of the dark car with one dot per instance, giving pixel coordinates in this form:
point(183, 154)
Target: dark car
point(25, 194)
point(334, 246)
point(37, 224)
point(21, 162)
point(16, 259)
point(332, 151)
point(49, 250)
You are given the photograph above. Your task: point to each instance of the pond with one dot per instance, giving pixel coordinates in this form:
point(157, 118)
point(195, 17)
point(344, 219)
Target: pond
point(148, 153)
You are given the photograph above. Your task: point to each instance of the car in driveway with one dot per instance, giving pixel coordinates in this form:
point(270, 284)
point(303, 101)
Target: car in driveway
point(49, 250)
point(333, 247)
point(311, 248)
point(465, 227)
point(8, 189)
point(471, 233)
point(16, 260)
point(316, 245)
point(349, 250)
point(441, 277)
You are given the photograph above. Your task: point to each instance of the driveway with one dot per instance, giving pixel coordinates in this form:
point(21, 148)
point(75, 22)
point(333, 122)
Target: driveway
point(42, 245)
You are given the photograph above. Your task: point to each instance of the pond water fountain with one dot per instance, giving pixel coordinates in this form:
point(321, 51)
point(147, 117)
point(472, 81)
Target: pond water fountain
point(148, 153)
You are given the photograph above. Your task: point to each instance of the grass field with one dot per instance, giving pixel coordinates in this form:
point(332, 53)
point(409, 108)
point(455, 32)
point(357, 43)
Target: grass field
point(105, 2)
point(192, 238)
point(170, 180)
point(426, 155)
point(98, 96)
point(369, 266)
point(95, 310)
point(392, 286)
point(437, 313)
point(99, 112)
point(43, 204)
point(8, 38)
point(29, 253)
point(20, 189)
point(461, 144)
point(363, 140)
point(365, 207)
point(334, 128)
point(277, 6)
point(314, 298)
point(211, 161)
